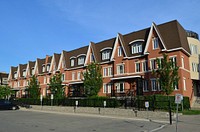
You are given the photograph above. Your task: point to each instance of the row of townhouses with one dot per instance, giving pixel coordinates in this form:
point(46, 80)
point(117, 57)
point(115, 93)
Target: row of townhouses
point(127, 62)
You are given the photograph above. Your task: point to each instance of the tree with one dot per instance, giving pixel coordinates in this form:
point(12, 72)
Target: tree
point(56, 86)
point(5, 92)
point(34, 88)
point(167, 73)
point(92, 79)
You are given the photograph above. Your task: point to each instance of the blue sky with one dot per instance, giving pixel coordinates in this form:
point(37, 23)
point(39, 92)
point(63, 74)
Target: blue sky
point(31, 29)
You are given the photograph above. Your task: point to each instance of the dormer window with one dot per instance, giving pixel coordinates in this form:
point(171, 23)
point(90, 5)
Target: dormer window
point(72, 62)
point(24, 73)
point(91, 57)
point(43, 68)
point(48, 67)
point(15, 75)
point(155, 43)
point(81, 60)
point(106, 54)
point(32, 70)
point(136, 47)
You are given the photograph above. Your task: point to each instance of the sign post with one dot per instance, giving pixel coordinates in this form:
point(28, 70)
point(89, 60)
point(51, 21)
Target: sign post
point(51, 99)
point(104, 104)
point(147, 106)
point(41, 97)
point(178, 100)
point(76, 103)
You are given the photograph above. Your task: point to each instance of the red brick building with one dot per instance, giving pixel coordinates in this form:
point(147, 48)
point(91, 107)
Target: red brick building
point(127, 62)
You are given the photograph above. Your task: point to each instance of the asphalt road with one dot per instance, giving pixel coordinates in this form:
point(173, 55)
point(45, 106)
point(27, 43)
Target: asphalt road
point(32, 121)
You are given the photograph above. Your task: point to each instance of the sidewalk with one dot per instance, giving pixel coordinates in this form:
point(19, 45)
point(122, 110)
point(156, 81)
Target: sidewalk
point(156, 116)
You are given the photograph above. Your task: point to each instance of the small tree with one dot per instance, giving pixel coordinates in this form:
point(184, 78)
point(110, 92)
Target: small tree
point(167, 73)
point(56, 86)
point(92, 79)
point(5, 92)
point(34, 88)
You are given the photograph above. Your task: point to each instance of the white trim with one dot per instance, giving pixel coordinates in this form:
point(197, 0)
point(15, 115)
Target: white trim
point(149, 38)
point(180, 48)
point(127, 77)
point(9, 75)
point(51, 66)
point(60, 61)
point(137, 40)
point(73, 57)
point(81, 55)
point(133, 57)
point(68, 69)
point(106, 48)
point(88, 54)
point(117, 40)
point(79, 82)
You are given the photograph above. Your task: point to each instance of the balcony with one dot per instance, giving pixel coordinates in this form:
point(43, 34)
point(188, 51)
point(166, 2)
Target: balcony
point(192, 34)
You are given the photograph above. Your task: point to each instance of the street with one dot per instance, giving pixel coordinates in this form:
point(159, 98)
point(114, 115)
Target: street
point(32, 121)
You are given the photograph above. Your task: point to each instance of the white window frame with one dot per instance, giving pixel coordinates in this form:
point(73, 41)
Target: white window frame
point(136, 48)
point(106, 54)
point(63, 64)
point(43, 68)
point(184, 84)
point(45, 79)
point(104, 71)
point(15, 75)
point(63, 77)
point(72, 61)
point(79, 75)
point(145, 66)
point(153, 84)
point(145, 86)
point(155, 43)
point(107, 88)
point(182, 62)
point(118, 87)
point(119, 49)
point(119, 70)
point(48, 67)
point(137, 67)
point(91, 57)
point(174, 60)
point(109, 71)
point(153, 64)
point(73, 76)
point(81, 60)
point(24, 73)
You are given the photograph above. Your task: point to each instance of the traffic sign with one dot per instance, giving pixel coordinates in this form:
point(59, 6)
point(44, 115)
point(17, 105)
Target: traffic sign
point(146, 104)
point(178, 98)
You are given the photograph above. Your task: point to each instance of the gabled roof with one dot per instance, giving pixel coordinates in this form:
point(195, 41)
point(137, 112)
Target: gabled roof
point(12, 71)
point(21, 68)
point(38, 65)
point(30, 65)
point(101, 45)
point(75, 53)
point(55, 61)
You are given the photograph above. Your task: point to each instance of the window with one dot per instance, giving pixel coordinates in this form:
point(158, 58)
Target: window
point(24, 73)
point(137, 66)
point(104, 72)
point(120, 87)
point(193, 49)
point(32, 71)
point(48, 67)
point(72, 62)
point(24, 84)
point(81, 60)
point(195, 67)
point(136, 48)
point(107, 88)
point(184, 84)
point(153, 85)
point(145, 66)
point(73, 75)
point(175, 85)
point(45, 80)
point(120, 69)
point(182, 61)
point(155, 43)
point(18, 84)
point(160, 62)
point(91, 57)
point(109, 71)
point(119, 51)
point(145, 86)
point(106, 55)
point(79, 75)
point(173, 61)
point(63, 77)
point(43, 68)
point(15, 75)
point(153, 64)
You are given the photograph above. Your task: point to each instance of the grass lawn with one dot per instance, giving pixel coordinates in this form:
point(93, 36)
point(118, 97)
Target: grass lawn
point(191, 112)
